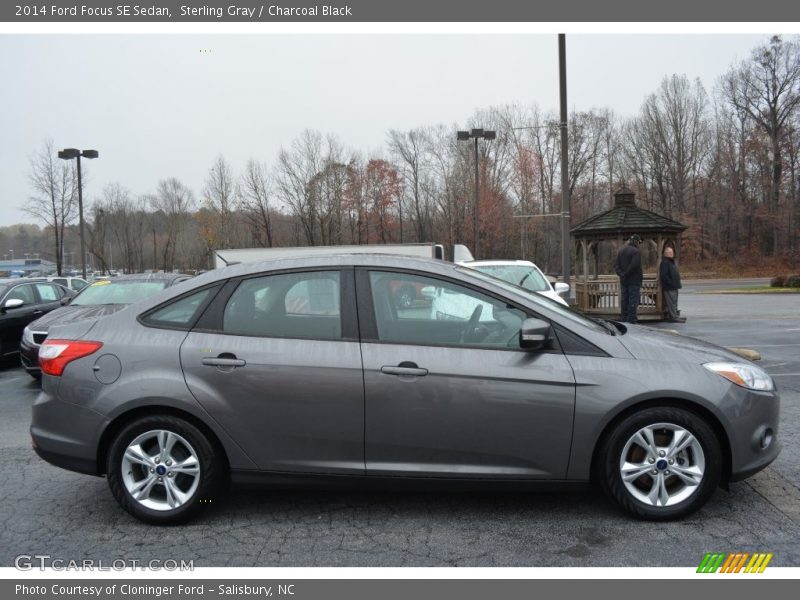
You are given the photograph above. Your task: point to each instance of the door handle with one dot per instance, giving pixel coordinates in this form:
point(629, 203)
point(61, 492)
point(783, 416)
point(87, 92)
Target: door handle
point(38, 312)
point(405, 368)
point(222, 361)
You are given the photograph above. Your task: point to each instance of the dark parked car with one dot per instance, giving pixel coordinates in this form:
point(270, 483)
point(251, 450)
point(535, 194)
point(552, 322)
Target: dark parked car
point(103, 297)
point(23, 301)
point(306, 369)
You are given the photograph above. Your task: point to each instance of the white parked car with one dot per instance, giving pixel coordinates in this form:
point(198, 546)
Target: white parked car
point(76, 284)
point(522, 273)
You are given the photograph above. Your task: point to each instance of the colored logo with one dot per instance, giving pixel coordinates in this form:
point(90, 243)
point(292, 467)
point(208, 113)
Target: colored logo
point(735, 562)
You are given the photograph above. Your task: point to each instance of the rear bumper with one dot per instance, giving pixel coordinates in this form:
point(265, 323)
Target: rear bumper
point(71, 463)
point(66, 435)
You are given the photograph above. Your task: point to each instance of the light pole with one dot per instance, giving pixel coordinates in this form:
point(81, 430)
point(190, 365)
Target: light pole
point(566, 251)
point(464, 136)
point(12, 253)
point(69, 154)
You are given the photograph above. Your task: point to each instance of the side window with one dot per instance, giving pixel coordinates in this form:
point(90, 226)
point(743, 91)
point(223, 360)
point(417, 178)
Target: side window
point(180, 313)
point(61, 281)
point(22, 292)
point(293, 305)
point(47, 292)
point(440, 313)
point(78, 284)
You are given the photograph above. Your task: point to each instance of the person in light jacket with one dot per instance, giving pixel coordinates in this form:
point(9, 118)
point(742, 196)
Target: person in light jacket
point(670, 284)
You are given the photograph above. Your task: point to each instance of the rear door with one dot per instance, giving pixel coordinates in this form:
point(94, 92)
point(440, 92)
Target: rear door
point(49, 296)
point(449, 392)
point(276, 361)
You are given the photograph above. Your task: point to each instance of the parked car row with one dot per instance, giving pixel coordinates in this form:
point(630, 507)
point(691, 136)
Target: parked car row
point(23, 301)
point(30, 306)
point(308, 369)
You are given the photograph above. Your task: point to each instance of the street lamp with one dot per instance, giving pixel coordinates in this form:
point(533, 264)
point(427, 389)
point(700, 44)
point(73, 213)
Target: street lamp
point(69, 154)
point(465, 136)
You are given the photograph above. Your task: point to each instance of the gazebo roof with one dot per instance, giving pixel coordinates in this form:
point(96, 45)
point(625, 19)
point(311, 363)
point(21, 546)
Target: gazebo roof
point(626, 218)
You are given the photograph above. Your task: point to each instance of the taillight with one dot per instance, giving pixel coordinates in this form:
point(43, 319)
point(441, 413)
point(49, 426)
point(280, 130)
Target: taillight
point(55, 355)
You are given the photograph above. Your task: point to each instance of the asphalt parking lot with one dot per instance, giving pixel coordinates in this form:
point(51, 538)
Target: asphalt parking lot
point(45, 510)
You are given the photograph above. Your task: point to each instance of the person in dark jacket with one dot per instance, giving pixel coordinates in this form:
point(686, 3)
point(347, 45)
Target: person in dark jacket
point(670, 284)
point(628, 265)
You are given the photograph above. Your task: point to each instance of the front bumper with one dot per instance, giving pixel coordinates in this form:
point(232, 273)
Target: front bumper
point(753, 430)
point(29, 356)
point(66, 435)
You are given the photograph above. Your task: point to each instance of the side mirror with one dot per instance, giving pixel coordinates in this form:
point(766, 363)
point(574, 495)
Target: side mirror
point(66, 300)
point(13, 303)
point(561, 288)
point(534, 334)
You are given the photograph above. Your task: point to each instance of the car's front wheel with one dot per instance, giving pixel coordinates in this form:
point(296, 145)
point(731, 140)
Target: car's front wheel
point(162, 469)
point(661, 463)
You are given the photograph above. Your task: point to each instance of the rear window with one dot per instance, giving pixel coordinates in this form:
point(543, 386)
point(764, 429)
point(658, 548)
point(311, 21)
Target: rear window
point(179, 313)
point(118, 292)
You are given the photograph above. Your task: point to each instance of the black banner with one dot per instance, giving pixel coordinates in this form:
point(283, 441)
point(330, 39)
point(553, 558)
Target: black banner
point(354, 11)
point(398, 589)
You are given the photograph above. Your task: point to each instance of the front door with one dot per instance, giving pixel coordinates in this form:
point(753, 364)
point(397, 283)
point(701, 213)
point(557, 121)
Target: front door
point(449, 393)
point(276, 361)
point(14, 320)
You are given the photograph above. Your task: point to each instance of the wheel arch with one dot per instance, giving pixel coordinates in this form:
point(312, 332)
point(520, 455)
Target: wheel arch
point(123, 419)
point(698, 409)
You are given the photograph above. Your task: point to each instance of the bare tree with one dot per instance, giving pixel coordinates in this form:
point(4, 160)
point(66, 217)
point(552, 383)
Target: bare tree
point(219, 197)
point(312, 179)
point(409, 148)
point(676, 120)
point(173, 200)
point(255, 191)
point(54, 199)
point(767, 88)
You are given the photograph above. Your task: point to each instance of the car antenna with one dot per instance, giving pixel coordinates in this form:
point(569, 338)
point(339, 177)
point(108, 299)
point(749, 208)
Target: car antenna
point(227, 262)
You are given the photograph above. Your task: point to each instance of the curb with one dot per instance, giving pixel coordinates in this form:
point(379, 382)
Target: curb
point(746, 353)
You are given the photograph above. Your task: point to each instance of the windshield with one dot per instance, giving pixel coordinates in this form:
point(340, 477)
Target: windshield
point(538, 299)
point(117, 292)
point(524, 276)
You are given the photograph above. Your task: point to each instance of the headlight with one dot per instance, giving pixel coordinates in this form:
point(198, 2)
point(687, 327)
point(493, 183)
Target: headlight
point(27, 336)
point(747, 376)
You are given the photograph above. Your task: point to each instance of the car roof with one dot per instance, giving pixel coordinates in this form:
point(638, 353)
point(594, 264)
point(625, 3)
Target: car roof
point(499, 263)
point(332, 260)
point(169, 277)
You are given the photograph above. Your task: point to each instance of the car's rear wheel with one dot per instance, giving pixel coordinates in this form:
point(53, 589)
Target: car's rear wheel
point(163, 469)
point(661, 463)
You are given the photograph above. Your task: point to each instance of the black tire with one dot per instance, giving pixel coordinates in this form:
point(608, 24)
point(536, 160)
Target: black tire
point(37, 375)
point(213, 476)
point(610, 454)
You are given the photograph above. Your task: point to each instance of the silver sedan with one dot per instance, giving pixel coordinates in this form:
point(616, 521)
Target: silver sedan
point(306, 369)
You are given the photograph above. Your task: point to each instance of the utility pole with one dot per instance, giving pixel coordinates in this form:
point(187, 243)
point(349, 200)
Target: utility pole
point(565, 200)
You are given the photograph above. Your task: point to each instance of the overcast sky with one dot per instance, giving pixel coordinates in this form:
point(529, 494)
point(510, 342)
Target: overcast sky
point(155, 106)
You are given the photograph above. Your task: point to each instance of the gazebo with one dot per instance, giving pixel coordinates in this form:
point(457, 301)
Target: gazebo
point(598, 294)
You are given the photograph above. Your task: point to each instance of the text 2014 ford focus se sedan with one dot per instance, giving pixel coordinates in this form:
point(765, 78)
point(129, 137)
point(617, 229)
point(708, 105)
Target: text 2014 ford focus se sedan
point(305, 368)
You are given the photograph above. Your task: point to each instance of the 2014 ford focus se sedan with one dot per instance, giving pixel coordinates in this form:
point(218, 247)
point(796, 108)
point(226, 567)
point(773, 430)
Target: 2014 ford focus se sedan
point(307, 369)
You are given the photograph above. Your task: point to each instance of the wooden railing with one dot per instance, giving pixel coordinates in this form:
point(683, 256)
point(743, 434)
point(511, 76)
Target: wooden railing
point(601, 296)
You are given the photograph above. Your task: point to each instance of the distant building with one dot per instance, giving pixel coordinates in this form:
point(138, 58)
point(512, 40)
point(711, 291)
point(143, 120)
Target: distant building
point(26, 266)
